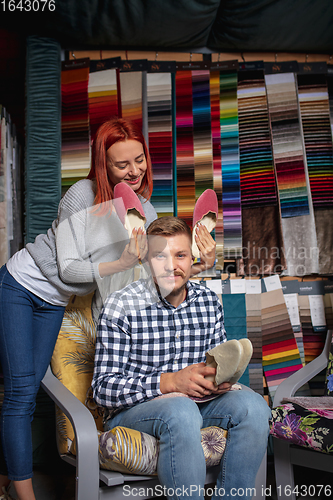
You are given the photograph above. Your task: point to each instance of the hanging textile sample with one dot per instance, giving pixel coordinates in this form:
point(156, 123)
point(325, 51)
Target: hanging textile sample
point(315, 116)
point(195, 149)
point(328, 303)
point(290, 290)
point(102, 92)
point(159, 105)
point(234, 308)
point(185, 149)
point(330, 92)
point(202, 136)
point(204, 170)
point(217, 171)
point(298, 225)
point(231, 198)
point(314, 327)
point(280, 353)
point(132, 82)
point(43, 135)
point(75, 149)
point(262, 241)
point(253, 321)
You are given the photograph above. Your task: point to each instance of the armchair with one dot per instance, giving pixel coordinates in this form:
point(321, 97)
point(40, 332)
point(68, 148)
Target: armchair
point(303, 427)
point(67, 382)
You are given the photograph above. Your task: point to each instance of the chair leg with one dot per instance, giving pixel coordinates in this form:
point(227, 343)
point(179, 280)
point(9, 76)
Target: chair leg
point(284, 473)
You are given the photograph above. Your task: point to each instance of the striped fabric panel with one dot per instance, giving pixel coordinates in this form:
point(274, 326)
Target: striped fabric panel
point(287, 144)
point(75, 149)
point(235, 323)
point(230, 165)
point(280, 352)
point(253, 325)
point(159, 101)
point(185, 149)
point(217, 169)
point(315, 115)
point(103, 98)
point(131, 96)
point(330, 92)
point(258, 186)
point(202, 135)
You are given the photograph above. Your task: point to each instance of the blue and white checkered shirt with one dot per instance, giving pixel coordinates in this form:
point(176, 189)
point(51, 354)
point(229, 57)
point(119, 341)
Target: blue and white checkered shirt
point(140, 336)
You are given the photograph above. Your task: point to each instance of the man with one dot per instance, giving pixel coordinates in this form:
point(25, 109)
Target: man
point(151, 341)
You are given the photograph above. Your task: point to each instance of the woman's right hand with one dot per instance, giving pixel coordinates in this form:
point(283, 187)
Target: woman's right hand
point(135, 250)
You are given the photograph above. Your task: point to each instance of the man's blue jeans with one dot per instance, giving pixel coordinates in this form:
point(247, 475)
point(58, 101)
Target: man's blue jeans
point(177, 421)
point(29, 328)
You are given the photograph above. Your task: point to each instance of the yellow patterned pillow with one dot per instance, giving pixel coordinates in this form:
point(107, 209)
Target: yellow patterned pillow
point(130, 451)
point(73, 363)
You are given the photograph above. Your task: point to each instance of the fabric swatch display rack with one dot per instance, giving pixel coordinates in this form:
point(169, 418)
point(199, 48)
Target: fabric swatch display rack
point(261, 225)
point(75, 132)
point(270, 313)
point(258, 134)
point(10, 189)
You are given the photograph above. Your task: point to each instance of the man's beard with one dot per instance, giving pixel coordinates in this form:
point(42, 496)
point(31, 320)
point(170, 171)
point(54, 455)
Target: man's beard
point(165, 292)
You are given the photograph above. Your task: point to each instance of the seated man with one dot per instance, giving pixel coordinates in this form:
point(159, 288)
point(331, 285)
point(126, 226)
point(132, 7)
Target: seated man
point(151, 341)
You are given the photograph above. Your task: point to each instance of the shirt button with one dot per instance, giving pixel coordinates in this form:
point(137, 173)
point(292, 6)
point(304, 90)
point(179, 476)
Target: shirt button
point(174, 362)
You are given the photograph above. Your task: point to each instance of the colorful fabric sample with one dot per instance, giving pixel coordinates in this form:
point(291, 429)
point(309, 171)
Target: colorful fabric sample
point(261, 232)
point(103, 98)
point(315, 115)
point(75, 149)
point(231, 198)
point(298, 225)
point(280, 353)
point(185, 148)
point(159, 104)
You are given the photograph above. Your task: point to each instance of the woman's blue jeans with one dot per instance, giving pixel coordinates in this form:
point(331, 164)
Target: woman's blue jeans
point(177, 421)
point(29, 328)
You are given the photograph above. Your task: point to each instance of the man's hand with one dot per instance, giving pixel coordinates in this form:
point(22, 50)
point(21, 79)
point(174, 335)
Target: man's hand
point(191, 381)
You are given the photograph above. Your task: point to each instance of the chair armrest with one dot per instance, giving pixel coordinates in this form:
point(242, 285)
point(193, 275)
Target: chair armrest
point(290, 385)
point(87, 462)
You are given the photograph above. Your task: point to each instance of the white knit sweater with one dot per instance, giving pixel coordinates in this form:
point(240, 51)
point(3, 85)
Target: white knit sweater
point(79, 239)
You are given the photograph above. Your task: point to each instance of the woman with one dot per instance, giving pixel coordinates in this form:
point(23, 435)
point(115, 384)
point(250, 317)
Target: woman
point(86, 249)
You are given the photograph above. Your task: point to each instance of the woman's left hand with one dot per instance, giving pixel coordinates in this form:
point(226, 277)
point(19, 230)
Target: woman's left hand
point(207, 247)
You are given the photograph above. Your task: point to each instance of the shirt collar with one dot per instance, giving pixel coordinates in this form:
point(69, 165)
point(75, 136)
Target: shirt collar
point(192, 294)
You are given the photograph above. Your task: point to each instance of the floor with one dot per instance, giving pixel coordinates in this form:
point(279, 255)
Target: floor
point(59, 482)
point(54, 479)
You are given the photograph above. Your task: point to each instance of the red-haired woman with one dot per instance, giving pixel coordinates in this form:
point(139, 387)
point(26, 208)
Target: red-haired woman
point(86, 249)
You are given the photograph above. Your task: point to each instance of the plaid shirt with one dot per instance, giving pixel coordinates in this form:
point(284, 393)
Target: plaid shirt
point(140, 336)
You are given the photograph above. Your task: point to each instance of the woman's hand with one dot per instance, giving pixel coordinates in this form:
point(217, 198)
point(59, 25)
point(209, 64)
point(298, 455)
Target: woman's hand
point(207, 248)
point(135, 250)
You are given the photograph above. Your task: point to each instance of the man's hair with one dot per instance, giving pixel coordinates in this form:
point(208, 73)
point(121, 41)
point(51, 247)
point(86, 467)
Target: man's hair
point(168, 226)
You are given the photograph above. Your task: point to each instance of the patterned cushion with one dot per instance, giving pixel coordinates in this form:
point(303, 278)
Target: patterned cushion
point(304, 427)
point(130, 451)
point(73, 362)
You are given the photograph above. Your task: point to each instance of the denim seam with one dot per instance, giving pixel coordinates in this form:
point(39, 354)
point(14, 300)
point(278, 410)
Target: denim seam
point(148, 419)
